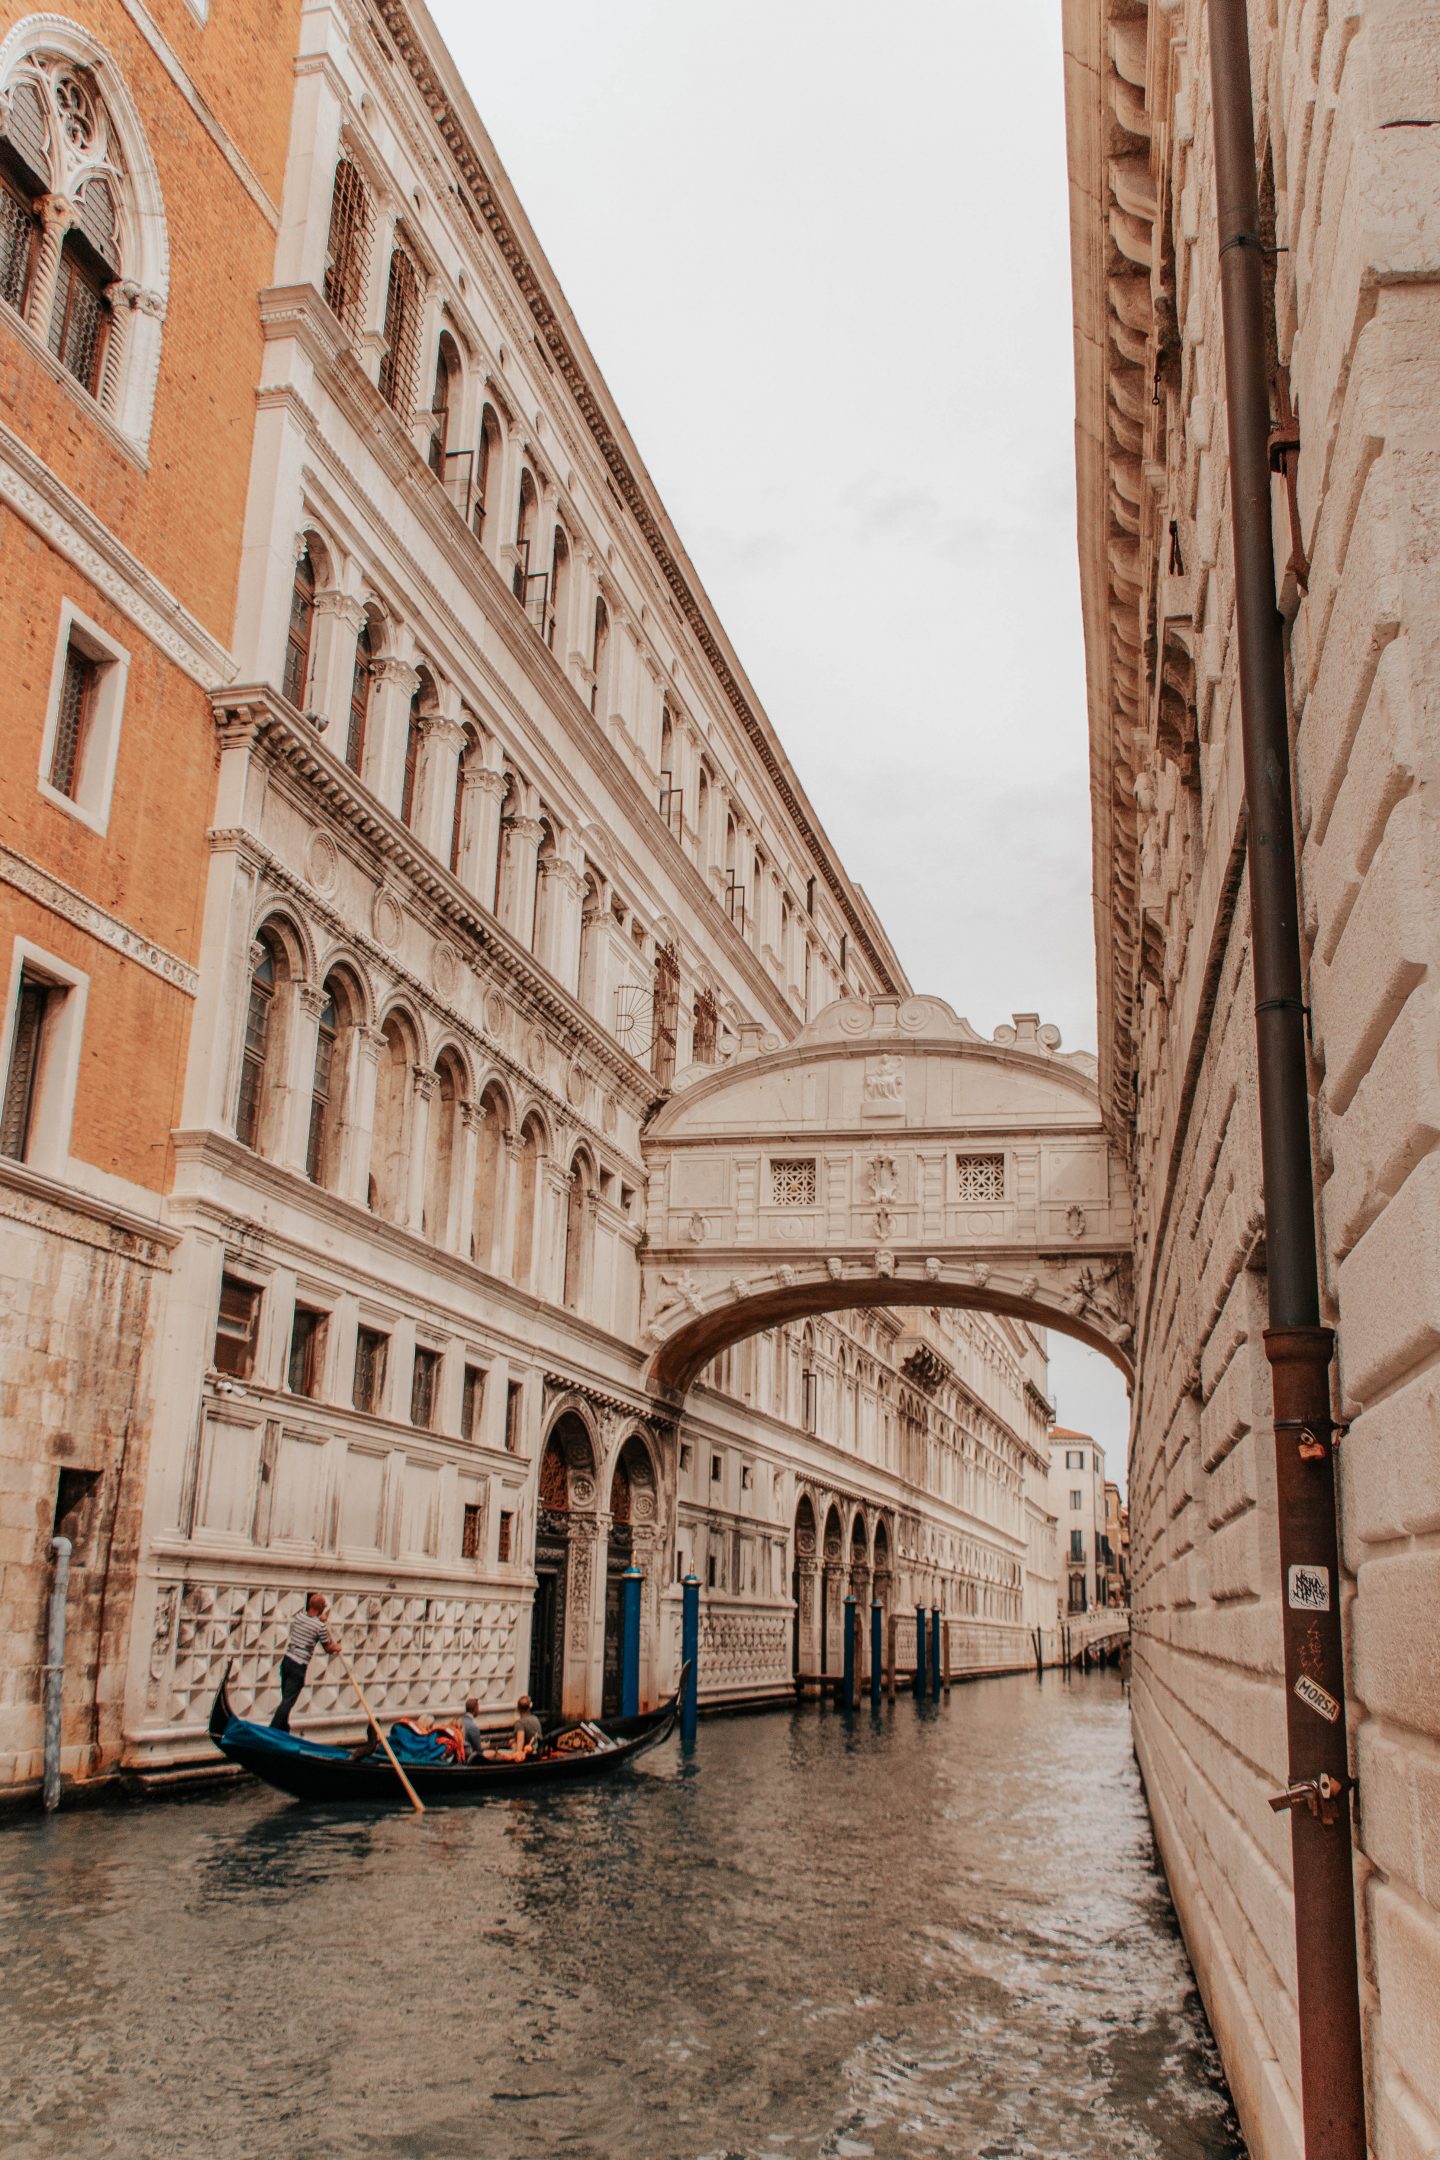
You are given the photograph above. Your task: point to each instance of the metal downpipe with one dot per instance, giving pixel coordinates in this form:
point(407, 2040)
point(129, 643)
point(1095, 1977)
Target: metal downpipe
point(1332, 2080)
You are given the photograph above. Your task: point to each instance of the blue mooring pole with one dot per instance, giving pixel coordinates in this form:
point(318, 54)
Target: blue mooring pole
point(849, 1650)
point(690, 1658)
point(630, 1583)
point(919, 1653)
point(937, 1654)
point(877, 1652)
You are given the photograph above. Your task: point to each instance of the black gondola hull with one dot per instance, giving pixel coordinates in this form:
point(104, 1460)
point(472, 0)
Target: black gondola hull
point(312, 1772)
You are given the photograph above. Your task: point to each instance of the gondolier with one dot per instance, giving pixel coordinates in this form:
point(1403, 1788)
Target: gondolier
point(308, 1630)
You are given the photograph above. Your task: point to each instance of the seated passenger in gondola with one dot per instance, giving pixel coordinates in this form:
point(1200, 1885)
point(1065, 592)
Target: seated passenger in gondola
point(526, 1739)
point(474, 1738)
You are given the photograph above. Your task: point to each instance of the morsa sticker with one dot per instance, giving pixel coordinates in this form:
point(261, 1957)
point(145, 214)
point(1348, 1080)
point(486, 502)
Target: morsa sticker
point(1310, 1588)
point(1318, 1698)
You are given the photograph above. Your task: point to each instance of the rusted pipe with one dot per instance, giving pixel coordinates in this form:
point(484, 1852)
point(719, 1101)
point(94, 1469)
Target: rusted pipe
point(1332, 2081)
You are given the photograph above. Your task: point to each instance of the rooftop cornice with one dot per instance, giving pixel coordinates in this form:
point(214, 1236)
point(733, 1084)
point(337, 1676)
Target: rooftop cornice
point(413, 34)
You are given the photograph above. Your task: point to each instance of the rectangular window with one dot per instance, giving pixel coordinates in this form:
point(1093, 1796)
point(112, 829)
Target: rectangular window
point(22, 1070)
point(747, 1478)
point(237, 1326)
point(1077, 1544)
point(512, 1418)
point(980, 1177)
point(1074, 1458)
point(470, 1530)
point(1077, 1499)
point(717, 1469)
point(472, 1402)
point(808, 1396)
point(711, 1572)
point(507, 1534)
point(422, 1388)
point(792, 1181)
point(72, 721)
point(372, 1350)
point(307, 1344)
point(685, 1454)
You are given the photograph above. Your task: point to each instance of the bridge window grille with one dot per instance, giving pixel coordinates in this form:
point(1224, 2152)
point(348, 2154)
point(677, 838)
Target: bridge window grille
point(792, 1181)
point(980, 1177)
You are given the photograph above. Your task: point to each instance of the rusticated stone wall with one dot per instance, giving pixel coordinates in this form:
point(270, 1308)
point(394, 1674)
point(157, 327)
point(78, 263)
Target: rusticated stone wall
point(1348, 120)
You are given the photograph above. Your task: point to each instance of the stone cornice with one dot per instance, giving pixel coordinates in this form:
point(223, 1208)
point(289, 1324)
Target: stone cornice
point(552, 320)
point(97, 922)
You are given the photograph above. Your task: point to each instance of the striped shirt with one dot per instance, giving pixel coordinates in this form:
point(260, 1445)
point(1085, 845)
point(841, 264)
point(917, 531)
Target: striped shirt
point(305, 1632)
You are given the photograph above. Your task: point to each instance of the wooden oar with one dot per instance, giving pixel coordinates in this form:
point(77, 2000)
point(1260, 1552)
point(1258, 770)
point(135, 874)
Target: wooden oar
point(415, 1801)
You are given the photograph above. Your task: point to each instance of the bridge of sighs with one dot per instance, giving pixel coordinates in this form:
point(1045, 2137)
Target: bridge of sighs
point(887, 1155)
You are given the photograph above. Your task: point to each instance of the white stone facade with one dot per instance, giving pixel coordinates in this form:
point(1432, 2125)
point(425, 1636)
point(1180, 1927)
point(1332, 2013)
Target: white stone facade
point(1346, 115)
point(500, 841)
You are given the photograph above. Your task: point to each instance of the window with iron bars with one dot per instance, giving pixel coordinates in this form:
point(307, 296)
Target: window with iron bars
point(399, 366)
point(980, 1177)
point(347, 250)
point(666, 1013)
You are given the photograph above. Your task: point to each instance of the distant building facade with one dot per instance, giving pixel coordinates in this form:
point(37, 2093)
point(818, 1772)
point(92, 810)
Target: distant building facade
point(1077, 1501)
point(1349, 190)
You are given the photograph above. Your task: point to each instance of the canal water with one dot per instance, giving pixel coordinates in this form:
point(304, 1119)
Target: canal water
point(937, 1931)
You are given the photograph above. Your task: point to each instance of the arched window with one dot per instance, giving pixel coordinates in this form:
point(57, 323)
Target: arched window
point(399, 366)
point(528, 584)
point(442, 1148)
point(592, 934)
point(487, 467)
point(420, 704)
point(577, 1233)
point(321, 1085)
point(489, 1178)
point(559, 590)
point(447, 378)
point(702, 816)
point(90, 275)
point(347, 250)
point(509, 802)
point(667, 745)
point(299, 630)
point(468, 760)
point(361, 679)
point(600, 660)
point(545, 856)
point(259, 1017)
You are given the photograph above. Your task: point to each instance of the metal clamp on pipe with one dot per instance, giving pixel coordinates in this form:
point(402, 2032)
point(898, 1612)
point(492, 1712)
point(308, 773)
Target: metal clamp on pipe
point(1315, 1793)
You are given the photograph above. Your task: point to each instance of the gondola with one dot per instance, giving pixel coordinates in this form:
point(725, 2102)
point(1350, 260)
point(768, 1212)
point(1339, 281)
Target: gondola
point(309, 1770)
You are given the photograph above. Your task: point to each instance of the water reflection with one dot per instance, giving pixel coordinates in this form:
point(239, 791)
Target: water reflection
point(932, 1931)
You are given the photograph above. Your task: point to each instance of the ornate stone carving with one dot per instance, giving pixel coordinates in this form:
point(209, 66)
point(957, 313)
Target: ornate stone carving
point(445, 964)
point(387, 919)
point(1075, 1221)
point(322, 862)
point(884, 1086)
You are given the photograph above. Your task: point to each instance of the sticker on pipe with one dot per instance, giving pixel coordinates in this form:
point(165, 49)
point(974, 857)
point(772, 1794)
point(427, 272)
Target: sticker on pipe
point(1310, 1588)
point(1317, 1697)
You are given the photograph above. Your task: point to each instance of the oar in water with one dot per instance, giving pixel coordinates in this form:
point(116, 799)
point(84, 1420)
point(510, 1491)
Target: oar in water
point(415, 1801)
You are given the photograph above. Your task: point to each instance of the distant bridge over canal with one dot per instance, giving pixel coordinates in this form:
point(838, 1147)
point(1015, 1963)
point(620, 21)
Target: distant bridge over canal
point(888, 1155)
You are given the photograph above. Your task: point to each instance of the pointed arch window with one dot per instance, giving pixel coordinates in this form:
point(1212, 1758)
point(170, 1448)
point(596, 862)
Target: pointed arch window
point(447, 375)
point(299, 630)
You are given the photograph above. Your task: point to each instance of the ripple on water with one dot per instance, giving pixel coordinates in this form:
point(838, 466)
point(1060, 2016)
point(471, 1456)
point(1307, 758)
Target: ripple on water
point(929, 1932)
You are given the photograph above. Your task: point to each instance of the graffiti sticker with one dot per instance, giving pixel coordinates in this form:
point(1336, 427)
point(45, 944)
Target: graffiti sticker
point(1310, 1588)
point(1317, 1697)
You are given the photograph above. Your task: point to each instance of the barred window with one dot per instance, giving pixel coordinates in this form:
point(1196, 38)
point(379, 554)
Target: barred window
point(504, 1545)
point(77, 694)
point(237, 1327)
point(707, 1028)
point(79, 316)
point(32, 1009)
point(325, 1038)
point(422, 1388)
point(359, 698)
point(980, 1177)
point(347, 251)
point(792, 1180)
point(371, 1351)
point(402, 334)
point(471, 1527)
point(666, 1013)
point(17, 245)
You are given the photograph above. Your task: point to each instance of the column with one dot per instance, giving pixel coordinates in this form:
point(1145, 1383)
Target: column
point(367, 1047)
point(551, 1201)
point(422, 1087)
point(480, 830)
point(522, 837)
point(582, 1689)
point(645, 1546)
point(504, 1257)
point(443, 740)
point(382, 242)
point(301, 1038)
point(395, 683)
point(310, 181)
point(805, 1586)
point(332, 672)
point(225, 958)
point(57, 215)
point(562, 888)
point(121, 296)
point(462, 1198)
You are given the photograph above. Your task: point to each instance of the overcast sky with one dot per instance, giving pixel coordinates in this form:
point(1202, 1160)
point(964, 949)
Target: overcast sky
point(826, 276)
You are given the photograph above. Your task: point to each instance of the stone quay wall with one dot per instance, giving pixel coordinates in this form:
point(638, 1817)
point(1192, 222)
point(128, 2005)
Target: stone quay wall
point(1347, 103)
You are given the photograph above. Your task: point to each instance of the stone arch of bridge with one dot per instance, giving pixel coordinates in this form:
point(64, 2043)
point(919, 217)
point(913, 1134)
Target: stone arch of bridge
point(888, 1155)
